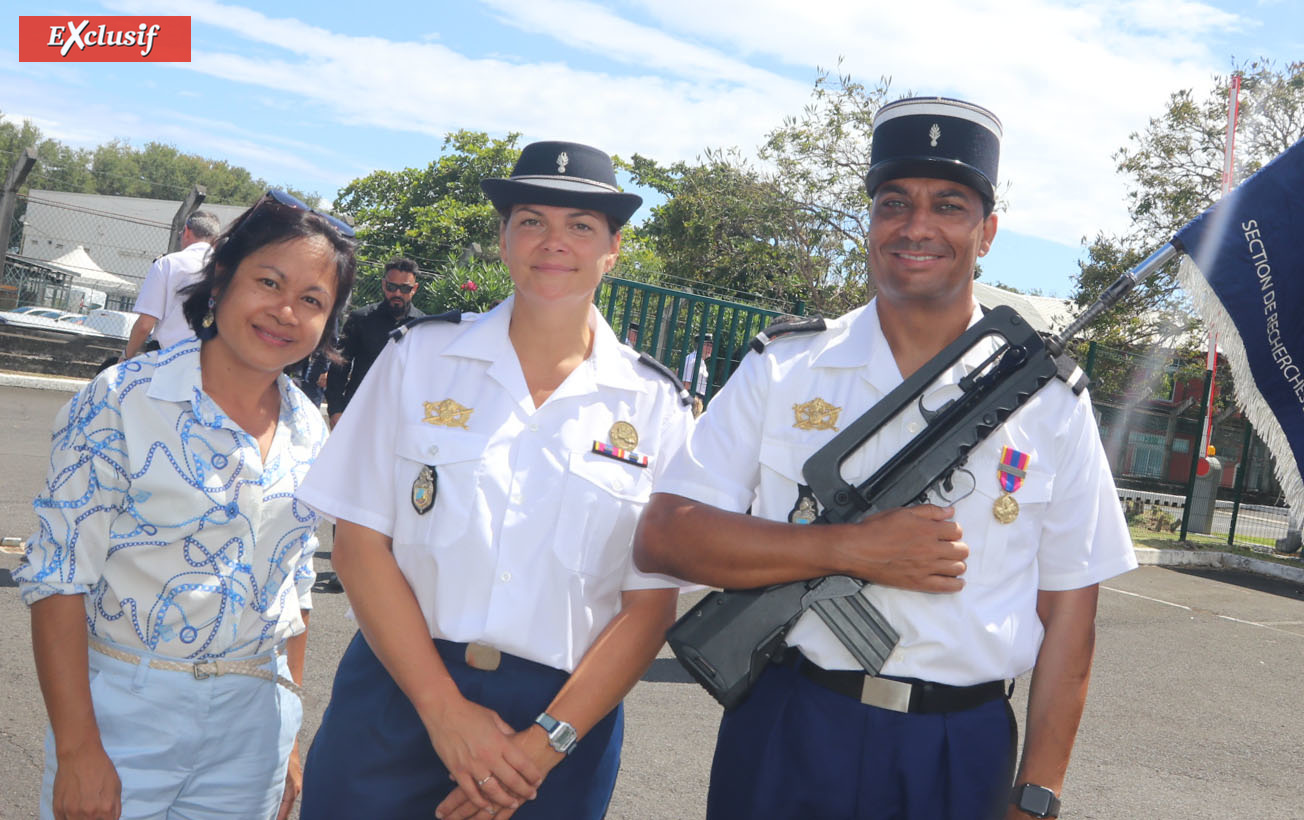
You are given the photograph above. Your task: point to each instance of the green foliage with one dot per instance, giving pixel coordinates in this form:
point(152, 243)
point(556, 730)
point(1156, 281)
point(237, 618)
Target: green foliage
point(157, 171)
point(427, 213)
point(1174, 171)
point(466, 284)
point(793, 228)
point(820, 159)
point(720, 225)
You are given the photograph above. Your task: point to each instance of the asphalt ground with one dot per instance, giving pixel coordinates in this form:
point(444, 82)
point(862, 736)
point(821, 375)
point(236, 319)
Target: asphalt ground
point(1194, 710)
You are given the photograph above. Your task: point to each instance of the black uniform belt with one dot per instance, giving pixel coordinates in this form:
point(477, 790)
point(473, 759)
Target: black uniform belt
point(904, 694)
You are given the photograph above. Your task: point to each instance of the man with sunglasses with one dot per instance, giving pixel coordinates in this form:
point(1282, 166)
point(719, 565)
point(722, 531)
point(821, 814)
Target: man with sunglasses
point(367, 330)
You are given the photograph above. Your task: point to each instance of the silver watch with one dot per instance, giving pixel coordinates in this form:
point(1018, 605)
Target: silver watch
point(561, 735)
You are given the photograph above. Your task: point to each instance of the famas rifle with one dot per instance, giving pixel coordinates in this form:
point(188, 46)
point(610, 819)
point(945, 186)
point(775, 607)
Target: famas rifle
point(726, 640)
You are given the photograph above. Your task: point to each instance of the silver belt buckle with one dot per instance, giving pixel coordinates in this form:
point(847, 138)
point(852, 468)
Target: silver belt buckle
point(886, 694)
point(483, 657)
point(201, 670)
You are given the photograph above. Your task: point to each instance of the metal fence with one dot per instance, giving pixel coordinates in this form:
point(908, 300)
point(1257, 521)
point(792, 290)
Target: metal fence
point(676, 328)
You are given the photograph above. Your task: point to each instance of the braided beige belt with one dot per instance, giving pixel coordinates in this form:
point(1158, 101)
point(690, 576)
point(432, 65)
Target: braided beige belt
point(202, 669)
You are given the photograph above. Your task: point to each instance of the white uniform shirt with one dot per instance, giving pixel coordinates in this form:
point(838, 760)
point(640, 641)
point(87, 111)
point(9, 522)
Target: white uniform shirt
point(1070, 531)
point(528, 545)
point(160, 292)
point(691, 364)
point(161, 511)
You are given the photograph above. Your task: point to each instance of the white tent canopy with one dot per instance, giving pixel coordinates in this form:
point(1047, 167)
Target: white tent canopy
point(79, 263)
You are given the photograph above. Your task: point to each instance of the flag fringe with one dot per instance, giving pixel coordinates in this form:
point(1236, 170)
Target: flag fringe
point(1248, 396)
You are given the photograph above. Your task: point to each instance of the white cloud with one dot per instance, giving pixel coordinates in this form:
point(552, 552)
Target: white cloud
point(1069, 78)
point(430, 88)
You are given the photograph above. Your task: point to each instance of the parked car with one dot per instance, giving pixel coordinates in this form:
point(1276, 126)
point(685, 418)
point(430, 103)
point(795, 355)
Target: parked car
point(114, 323)
point(42, 319)
point(42, 311)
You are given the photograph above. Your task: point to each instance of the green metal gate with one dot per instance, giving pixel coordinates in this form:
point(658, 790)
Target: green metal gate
point(673, 324)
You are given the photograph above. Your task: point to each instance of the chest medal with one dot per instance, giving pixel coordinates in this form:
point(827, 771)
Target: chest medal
point(1011, 472)
point(623, 435)
point(423, 490)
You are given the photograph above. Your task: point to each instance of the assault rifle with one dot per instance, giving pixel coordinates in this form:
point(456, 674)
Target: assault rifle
point(726, 640)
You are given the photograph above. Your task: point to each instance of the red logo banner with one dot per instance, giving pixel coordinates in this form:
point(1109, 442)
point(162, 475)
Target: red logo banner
point(102, 39)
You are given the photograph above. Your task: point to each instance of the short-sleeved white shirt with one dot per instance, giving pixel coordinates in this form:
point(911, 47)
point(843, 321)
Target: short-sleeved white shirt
point(1070, 532)
point(160, 292)
point(529, 542)
point(694, 374)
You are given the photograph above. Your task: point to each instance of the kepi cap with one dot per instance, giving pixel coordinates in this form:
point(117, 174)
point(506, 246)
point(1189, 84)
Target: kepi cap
point(939, 138)
point(563, 174)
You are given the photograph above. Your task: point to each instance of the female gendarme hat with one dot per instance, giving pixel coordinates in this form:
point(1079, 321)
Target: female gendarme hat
point(939, 138)
point(563, 174)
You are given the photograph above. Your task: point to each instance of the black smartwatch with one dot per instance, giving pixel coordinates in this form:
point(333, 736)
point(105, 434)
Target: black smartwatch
point(1038, 801)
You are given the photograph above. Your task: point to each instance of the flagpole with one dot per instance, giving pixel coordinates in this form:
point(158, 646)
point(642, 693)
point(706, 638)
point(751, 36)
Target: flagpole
point(1228, 182)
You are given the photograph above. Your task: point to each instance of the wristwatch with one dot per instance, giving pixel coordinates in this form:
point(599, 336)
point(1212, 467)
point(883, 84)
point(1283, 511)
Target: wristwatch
point(1038, 801)
point(561, 735)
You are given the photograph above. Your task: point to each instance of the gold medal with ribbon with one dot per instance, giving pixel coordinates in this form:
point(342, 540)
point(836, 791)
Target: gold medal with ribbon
point(1010, 472)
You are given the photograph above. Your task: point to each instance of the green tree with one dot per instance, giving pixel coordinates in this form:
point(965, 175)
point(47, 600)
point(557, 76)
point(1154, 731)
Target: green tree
point(819, 161)
point(792, 228)
point(115, 168)
point(426, 213)
point(721, 225)
point(1174, 171)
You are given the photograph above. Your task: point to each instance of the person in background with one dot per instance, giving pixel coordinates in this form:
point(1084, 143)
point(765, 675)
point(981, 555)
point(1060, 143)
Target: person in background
point(1002, 580)
point(695, 373)
point(631, 335)
point(485, 484)
point(169, 581)
point(367, 330)
point(159, 301)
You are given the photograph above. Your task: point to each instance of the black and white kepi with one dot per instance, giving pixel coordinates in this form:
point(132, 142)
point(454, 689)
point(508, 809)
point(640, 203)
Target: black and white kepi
point(565, 174)
point(939, 138)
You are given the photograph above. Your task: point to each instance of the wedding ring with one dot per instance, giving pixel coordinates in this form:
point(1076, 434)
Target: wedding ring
point(486, 779)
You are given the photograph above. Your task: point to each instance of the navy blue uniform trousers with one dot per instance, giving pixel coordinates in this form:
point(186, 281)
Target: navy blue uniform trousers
point(372, 757)
point(797, 751)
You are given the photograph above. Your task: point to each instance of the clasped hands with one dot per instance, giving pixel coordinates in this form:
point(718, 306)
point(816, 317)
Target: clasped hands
point(495, 767)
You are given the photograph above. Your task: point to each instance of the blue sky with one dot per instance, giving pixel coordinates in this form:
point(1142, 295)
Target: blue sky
point(314, 94)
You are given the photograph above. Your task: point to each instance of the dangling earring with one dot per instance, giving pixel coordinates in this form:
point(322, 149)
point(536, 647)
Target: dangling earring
point(207, 325)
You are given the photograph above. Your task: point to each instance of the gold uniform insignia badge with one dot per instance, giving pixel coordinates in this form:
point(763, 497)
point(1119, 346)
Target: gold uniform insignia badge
point(447, 413)
point(815, 414)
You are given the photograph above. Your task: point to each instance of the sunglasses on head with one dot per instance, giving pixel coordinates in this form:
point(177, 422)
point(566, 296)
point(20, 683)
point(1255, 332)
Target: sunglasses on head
point(341, 227)
point(393, 287)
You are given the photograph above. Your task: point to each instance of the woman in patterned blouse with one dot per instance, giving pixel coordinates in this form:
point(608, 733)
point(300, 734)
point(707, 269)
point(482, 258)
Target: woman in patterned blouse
point(169, 581)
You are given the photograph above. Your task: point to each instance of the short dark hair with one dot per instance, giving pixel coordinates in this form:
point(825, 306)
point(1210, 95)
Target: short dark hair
point(204, 224)
point(269, 222)
point(402, 263)
point(612, 224)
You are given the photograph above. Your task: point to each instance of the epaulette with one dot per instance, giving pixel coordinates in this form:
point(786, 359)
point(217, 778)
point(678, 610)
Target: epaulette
point(453, 316)
point(1067, 371)
point(778, 329)
point(684, 397)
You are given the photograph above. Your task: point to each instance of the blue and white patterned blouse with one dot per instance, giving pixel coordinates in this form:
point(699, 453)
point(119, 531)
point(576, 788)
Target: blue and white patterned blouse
point(161, 511)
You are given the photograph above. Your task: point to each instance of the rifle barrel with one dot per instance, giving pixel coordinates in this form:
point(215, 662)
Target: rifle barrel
point(1113, 293)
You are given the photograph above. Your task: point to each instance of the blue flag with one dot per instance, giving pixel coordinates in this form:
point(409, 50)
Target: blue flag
point(1246, 278)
